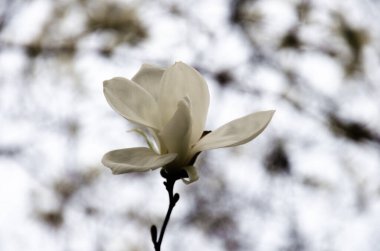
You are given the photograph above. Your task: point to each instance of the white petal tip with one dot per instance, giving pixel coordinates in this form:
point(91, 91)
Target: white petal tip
point(105, 83)
point(108, 82)
point(267, 114)
point(181, 64)
point(269, 111)
point(192, 175)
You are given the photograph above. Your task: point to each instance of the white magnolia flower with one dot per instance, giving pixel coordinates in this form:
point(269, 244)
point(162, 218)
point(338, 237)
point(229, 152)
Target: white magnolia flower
point(170, 108)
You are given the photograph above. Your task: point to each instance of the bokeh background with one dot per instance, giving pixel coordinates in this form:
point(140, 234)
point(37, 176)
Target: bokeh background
point(310, 182)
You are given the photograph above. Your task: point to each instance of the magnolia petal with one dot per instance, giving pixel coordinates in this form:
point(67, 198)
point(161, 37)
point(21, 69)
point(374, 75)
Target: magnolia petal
point(179, 81)
point(149, 77)
point(176, 134)
point(149, 139)
point(236, 132)
point(192, 174)
point(139, 159)
point(132, 102)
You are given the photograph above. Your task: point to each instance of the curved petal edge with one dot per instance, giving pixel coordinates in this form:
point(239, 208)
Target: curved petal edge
point(149, 77)
point(192, 174)
point(236, 132)
point(177, 82)
point(138, 159)
point(177, 133)
point(132, 101)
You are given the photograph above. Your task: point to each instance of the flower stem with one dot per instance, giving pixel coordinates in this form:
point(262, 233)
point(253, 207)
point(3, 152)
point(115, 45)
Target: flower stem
point(171, 178)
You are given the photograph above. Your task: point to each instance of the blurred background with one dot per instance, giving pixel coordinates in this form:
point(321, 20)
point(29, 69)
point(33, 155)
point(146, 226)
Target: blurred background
point(310, 182)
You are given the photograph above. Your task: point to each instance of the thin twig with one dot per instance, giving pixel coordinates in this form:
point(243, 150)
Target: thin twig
point(173, 198)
